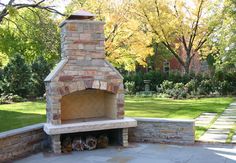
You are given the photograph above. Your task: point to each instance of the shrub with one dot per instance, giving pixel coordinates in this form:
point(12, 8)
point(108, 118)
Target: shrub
point(191, 86)
point(40, 70)
point(10, 98)
point(17, 77)
point(205, 87)
point(130, 87)
point(166, 86)
point(178, 91)
point(224, 87)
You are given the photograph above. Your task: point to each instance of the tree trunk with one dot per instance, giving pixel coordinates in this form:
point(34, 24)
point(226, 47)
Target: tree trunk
point(187, 62)
point(186, 69)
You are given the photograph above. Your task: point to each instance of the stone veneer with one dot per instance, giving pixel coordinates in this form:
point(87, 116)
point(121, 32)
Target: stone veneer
point(157, 130)
point(83, 66)
point(21, 142)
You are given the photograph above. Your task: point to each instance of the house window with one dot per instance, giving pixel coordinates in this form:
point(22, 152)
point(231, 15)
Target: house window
point(166, 67)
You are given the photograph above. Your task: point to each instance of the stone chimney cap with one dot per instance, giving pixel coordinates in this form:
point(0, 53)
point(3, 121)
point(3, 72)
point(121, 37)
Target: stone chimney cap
point(80, 15)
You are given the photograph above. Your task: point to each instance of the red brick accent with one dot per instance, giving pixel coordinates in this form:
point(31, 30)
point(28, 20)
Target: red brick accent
point(110, 87)
point(91, 72)
point(66, 78)
point(67, 90)
point(64, 90)
point(112, 77)
point(115, 89)
point(87, 77)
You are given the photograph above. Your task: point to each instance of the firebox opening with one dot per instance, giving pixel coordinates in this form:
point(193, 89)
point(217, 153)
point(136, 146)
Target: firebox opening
point(86, 105)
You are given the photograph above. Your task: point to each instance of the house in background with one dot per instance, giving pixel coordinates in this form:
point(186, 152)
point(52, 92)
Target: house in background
point(168, 63)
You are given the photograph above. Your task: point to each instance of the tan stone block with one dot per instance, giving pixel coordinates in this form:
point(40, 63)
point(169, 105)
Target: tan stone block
point(85, 36)
point(71, 46)
point(71, 27)
point(99, 48)
point(96, 84)
point(103, 85)
point(89, 47)
point(73, 86)
point(80, 85)
point(81, 46)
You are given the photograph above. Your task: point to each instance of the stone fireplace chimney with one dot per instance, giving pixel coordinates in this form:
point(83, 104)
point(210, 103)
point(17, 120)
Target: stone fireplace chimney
point(84, 92)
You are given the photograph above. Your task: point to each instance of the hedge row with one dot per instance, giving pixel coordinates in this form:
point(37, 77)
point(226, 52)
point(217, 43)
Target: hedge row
point(223, 83)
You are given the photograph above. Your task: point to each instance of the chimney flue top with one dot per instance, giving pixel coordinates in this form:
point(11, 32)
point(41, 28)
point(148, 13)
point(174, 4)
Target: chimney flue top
point(81, 15)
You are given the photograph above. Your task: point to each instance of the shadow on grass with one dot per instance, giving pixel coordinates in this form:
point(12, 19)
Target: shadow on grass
point(12, 120)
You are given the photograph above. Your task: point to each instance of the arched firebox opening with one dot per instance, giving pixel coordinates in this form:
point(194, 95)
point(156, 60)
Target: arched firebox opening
point(88, 105)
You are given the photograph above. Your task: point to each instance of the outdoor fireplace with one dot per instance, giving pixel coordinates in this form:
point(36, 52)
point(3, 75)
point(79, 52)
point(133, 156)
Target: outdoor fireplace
point(84, 92)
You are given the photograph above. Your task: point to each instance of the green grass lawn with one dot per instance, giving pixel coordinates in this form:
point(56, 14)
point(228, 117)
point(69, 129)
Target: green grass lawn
point(26, 113)
point(21, 114)
point(169, 108)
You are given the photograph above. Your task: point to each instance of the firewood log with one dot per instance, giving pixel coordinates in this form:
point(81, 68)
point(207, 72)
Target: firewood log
point(78, 144)
point(66, 145)
point(103, 141)
point(90, 142)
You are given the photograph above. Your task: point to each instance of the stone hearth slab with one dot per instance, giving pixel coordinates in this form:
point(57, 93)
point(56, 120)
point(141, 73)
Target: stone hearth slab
point(89, 126)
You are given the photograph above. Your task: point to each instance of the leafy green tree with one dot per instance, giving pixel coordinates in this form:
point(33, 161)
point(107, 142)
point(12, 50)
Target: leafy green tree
point(224, 40)
point(17, 76)
point(35, 33)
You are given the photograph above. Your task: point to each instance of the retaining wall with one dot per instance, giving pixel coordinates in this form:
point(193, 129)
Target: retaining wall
point(21, 142)
point(157, 130)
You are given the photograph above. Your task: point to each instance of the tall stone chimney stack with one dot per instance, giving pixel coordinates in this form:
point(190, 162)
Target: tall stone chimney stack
point(82, 37)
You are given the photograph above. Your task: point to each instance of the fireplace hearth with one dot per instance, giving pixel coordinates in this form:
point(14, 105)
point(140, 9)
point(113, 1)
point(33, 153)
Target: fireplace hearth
point(84, 92)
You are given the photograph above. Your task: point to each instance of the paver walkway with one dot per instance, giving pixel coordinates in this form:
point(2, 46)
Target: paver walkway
point(219, 131)
point(204, 119)
point(144, 153)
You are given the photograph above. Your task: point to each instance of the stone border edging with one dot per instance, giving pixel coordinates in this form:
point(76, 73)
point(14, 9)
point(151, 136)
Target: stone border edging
point(163, 120)
point(22, 130)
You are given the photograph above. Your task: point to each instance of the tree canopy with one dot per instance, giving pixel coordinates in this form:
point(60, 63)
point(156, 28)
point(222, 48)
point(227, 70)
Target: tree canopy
point(133, 28)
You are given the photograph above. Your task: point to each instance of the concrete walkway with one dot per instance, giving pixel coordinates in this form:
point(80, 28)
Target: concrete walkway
point(221, 128)
point(144, 153)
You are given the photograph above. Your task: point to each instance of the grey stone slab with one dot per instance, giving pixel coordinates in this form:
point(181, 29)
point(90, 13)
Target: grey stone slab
point(229, 116)
point(203, 119)
point(223, 123)
point(201, 122)
point(234, 139)
point(226, 120)
point(233, 104)
point(233, 109)
point(218, 131)
point(221, 126)
point(211, 114)
point(214, 138)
